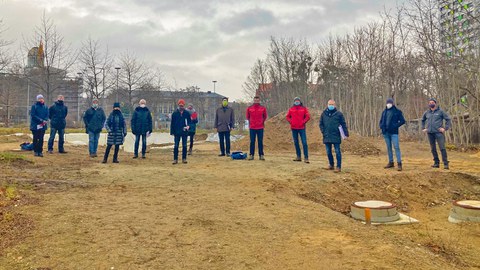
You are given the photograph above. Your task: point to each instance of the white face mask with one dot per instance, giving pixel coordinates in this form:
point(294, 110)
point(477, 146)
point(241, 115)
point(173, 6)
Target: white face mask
point(389, 106)
point(142, 105)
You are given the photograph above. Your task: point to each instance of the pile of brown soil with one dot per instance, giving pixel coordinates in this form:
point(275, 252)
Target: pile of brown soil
point(278, 137)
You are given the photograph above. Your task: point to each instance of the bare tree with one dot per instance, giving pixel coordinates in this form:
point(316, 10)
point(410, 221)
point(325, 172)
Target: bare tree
point(5, 57)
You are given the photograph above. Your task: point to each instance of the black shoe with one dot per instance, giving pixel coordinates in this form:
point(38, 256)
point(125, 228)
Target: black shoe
point(62, 152)
point(144, 157)
point(184, 161)
point(329, 168)
point(228, 155)
point(175, 162)
point(40, 154)
point(115, 161)
point(298, 159)
point(221, 155)
point(95, 155)
point(399, 167)
point(389, 165)
point(436, 165)
point(136, 156)
point(306, 160)
point(104, 161)
point(190, 152)
point(445, 166)
point(262, 157)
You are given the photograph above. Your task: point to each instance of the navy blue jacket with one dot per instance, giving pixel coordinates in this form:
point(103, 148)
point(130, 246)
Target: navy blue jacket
point(57, 113)
point(94, 120)
point(177, 126)
point(116, 127)
point(141, 121)
point(329, 123)
point(396, 121)
point(38, 114)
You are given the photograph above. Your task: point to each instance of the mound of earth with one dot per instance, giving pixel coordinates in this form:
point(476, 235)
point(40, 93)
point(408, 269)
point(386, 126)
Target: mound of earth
point(278, 137)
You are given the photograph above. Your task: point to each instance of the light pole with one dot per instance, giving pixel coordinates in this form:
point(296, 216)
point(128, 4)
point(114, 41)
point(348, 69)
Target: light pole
point(118, 69)
point(78, 95)
point(214, 82)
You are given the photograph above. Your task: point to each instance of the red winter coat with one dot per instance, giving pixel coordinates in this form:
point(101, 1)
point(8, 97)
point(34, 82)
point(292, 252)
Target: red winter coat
point(298, 116)
point(256, 116)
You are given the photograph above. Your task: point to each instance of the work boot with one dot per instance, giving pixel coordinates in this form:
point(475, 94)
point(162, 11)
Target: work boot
point(337, 170)
point(445, 166)
point(306, 160)
point(262, 157)
point(184, 161)
point(298, 159)
point(399, 167)
point(251, 157)
point(436, 165)
point(175, 162)
point(389, 165)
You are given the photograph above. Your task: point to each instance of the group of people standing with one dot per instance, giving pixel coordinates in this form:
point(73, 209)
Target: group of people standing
point(184, 120)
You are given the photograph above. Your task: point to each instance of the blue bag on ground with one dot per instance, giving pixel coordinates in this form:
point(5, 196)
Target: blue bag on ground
point(239, 155)
point(26, 146)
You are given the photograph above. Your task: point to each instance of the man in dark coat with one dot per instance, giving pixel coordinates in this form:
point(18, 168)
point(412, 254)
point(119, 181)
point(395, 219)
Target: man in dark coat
point(224, 123)
point(94, 119)
point(432, 124)
point(392, 119)
point(117, 130)
point(193, 126)
point(179, 127)
point(57, 113)
point(141, 126)
point(38, 124)
point(334, 129)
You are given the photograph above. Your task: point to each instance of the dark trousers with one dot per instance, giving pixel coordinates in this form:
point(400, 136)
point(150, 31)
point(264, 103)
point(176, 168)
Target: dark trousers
point(115, 154)
point(61, 139)
point(224, 138)
point(177, 144)
point(137, 142)
point(440, 139)
point(38, 140)
point(338, 153)
point(303, 136)
point(256, 133)
point(192, 137)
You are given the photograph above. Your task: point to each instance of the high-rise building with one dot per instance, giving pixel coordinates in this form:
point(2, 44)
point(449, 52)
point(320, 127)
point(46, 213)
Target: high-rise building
point(459, 26)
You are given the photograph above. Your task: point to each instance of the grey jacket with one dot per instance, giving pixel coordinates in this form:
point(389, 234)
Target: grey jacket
point(224, 119)
point(433, 120)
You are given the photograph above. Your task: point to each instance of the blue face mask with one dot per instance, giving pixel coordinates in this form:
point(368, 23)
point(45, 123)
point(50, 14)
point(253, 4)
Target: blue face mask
point(331, 107)
point(296, 103)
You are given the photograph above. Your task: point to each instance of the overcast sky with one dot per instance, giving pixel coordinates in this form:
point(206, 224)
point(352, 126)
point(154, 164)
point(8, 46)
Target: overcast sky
point(193, 41)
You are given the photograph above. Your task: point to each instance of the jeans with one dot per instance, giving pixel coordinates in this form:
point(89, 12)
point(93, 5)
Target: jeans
point(61, 139)
point(38, 140)
point(338, 153)
point(93, 142)
point(389, 140)
point(192, 137)
point(137, 142)
point(177, 144)
point(115, 154)
point(440, 138)
point(303, 136)
point(259, 134)
point(224, 138)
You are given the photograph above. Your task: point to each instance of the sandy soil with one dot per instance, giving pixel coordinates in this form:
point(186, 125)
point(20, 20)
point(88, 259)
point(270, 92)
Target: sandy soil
point(72, 212)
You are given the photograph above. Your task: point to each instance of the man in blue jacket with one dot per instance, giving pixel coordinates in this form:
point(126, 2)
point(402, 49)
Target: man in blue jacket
point(94, 119)
point(38, 124)
point(57, 113)
point(432, 124)
point(392, 119)
point(141, 126)
point(179, 127)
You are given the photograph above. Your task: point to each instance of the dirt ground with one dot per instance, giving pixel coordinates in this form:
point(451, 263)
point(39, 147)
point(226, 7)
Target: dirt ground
point(72, 212)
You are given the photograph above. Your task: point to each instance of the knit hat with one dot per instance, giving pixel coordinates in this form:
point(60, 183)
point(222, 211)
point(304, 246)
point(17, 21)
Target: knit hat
point(39, 97)
point(116, 105)
point(181, 102)
point(390, 101)
point(433, 99)
point(94, 100)
point(296, 98)
point(190, 104)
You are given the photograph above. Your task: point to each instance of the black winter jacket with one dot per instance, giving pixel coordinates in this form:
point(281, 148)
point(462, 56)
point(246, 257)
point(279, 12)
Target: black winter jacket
point(329, 126)
point(117, 130)
point(179, 122)
point(141, 121)
point(57, 113)
point(396, 121)
point(94, 120)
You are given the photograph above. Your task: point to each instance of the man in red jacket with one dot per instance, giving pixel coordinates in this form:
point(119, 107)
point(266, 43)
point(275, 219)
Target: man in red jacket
point(256, 116)
point(298, 116)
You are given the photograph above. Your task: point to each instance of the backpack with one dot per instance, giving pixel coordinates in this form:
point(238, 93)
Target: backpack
point(239, 155)
point(26, 146)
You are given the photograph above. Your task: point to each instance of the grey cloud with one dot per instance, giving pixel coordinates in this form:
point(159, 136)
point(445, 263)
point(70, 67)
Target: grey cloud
point(248, 20)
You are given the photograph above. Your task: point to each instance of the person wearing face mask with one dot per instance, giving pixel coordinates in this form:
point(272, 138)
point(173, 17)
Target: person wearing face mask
point(117, 130)
point(298, 116)
point(332, 123)
point(432, 124)
point(141, 125)
point(179, 126)
point(57, 113)
point(94, 119)
point(193, 126)
point(224, 123)
point(38, 124)
point(256, 116)
point(392, 119)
